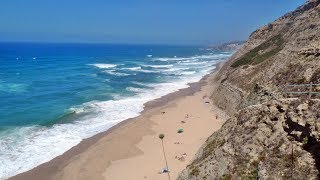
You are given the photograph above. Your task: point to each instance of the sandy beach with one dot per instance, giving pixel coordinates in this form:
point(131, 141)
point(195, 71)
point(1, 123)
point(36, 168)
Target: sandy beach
point(132, 149)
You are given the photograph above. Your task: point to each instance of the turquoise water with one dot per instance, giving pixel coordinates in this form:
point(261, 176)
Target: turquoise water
point(54, 95)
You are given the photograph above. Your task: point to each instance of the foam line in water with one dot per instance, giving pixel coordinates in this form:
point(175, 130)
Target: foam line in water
point(45, 143)
point(132, 68)
point(159, 66)
point(133, 89)
point(143, 84)
point(196, 57)
point(104, 66)
point(113, 72)
point(176, 69)
point(195, 63)
point(139, 69)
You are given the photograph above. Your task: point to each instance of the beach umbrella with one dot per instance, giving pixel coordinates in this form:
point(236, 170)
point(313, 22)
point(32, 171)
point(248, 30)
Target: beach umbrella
point(161, 136)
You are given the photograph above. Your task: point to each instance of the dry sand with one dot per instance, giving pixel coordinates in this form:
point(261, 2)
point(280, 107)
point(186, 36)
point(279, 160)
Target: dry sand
point(200, 123)
point(132, 150)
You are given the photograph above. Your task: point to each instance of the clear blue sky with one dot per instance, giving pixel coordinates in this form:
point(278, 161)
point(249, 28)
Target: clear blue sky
point(137, 21)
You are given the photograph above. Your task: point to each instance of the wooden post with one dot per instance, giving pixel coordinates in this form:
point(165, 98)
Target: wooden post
point(161, 136)
point(310, 90)
point(165, 157)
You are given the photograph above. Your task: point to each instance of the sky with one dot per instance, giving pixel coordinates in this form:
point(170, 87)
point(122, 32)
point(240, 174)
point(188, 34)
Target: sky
point(137, 21)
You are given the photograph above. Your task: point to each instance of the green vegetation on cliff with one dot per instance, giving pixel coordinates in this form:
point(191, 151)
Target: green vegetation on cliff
point(268, 136)
point(262, 52)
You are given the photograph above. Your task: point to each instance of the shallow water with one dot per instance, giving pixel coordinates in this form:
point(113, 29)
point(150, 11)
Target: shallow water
point(54, 95)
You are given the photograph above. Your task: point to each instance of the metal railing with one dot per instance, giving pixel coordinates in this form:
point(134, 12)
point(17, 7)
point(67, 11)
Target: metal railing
point(310, 91)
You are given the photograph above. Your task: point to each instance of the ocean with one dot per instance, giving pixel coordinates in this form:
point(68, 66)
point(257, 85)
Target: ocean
point(54, 95)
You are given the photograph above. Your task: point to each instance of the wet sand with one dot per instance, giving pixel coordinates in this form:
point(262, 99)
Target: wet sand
point(132, 149)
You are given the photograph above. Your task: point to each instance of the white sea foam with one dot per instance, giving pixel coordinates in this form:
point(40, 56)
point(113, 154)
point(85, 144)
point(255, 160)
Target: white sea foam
point(139, 69)
point(45, 143)
point(176, 69)
point(187, 61)
point(143, 84)
point(196, 57)
point(195, 63)
point(159, 66)
point(132, 68)
point(148, 71)
point(133, 89)
point(113, 72)
point(172, 59)
point(179, 72)
point(187, 72)
point(104, 66)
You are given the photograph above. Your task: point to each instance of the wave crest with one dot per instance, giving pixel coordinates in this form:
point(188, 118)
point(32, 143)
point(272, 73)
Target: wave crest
point(104, 66)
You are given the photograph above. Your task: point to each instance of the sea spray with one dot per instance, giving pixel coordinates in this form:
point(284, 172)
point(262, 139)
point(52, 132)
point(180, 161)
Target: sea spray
point(69, 97)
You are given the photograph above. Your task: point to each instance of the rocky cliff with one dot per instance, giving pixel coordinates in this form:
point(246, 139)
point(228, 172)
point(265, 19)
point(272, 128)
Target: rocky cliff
point(270, 135)
point(230, 46)
point(285, 51)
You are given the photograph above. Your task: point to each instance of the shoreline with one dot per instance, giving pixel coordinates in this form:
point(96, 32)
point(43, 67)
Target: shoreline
point(57, 166)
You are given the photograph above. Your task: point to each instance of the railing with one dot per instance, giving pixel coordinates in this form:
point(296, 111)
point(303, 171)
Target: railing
point(309, 92)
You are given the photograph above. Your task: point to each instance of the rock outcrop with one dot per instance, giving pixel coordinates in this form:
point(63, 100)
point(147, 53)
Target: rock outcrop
point(270, 135)
point(285, 51)
point(275, 140)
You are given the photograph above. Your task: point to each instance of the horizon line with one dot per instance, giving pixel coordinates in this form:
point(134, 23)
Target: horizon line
point(122, 43)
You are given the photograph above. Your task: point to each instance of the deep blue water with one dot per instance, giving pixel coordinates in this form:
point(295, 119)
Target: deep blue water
point(54, 95)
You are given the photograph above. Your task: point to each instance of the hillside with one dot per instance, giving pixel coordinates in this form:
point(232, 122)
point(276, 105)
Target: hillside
point(230, 46)
point(285, 51)
point(269, 136)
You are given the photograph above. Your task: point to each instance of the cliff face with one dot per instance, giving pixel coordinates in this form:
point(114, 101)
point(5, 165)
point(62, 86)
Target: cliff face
point(285, 51)
point(268, 136)
point(274, 140)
